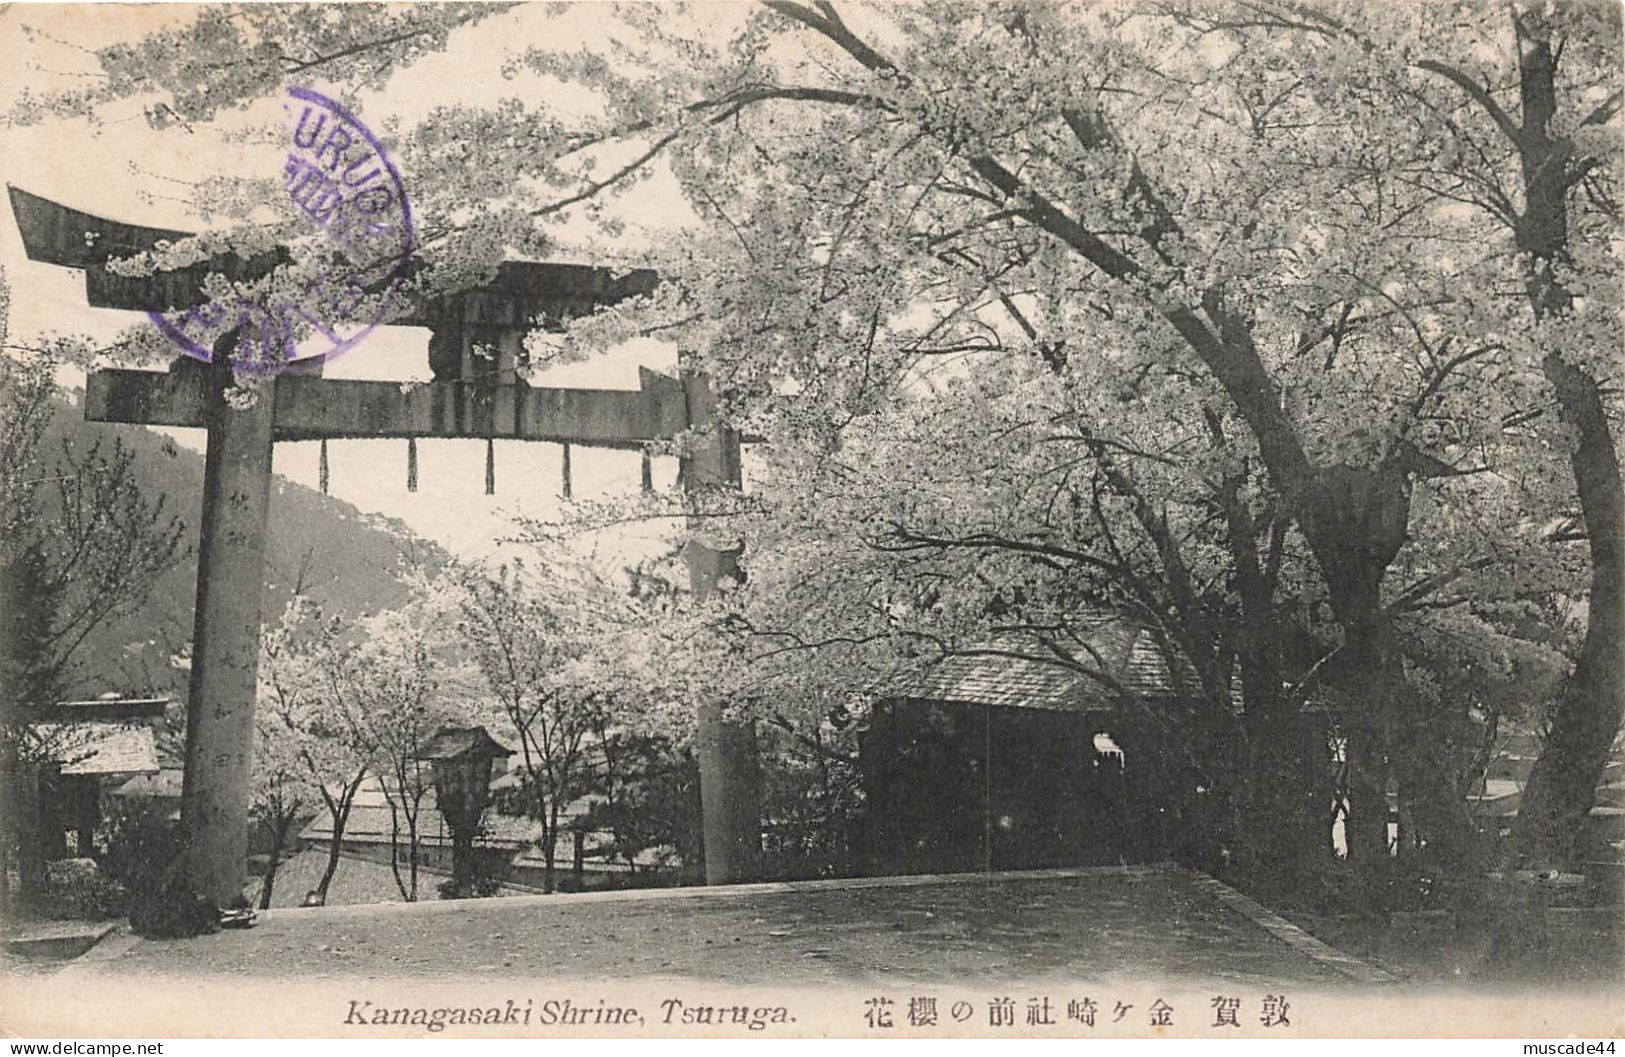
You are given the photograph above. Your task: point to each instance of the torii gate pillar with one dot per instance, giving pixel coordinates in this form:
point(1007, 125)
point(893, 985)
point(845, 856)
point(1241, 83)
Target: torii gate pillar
point(219, 777)
point(730, 771)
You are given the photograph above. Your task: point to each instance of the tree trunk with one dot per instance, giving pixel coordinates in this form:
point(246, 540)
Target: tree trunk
point(279, 838)
point(28, 823)
point(1562, 787)
point(1283, 784)
point(47, 818)
point(1558, 798)
point(395, 848)
point(7, 813)
point(340, 817)
point(1355, 520)
point(412, 854)
point(550, 835)
point(11, 814)
point(1281, 791)
point(1430, 775)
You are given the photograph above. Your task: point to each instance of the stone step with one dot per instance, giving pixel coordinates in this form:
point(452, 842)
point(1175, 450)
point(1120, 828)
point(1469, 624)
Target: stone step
point(57, 940)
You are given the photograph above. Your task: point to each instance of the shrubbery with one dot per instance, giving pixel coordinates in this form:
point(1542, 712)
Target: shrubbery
point(78, 888)
point(146, 853)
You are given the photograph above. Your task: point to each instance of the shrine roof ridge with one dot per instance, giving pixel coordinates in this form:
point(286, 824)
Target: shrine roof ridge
point(1112, 659)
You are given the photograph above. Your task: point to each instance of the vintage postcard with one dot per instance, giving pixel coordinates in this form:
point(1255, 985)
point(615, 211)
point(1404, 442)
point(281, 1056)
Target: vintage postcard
point(812, 519)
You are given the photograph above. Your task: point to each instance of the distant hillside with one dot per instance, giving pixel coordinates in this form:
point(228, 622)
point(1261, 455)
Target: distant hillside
point(349, 561)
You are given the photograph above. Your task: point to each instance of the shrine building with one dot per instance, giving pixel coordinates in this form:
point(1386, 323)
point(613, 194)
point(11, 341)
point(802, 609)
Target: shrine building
point(1003, 757)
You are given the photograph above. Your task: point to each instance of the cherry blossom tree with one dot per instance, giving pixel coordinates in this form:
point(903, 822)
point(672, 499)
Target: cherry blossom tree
point(1074, 203)
point(1315, 253)
point(1559, 146)
point(281, 792)
point(413, 684)
point(312, 694)
point(518, 640)
point(81, 545)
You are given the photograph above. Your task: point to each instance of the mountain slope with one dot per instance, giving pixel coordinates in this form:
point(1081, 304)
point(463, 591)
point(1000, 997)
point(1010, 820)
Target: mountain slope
point(351, 562)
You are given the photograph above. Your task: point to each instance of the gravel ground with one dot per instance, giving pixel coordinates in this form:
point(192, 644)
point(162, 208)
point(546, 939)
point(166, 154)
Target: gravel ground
point(1155, 923)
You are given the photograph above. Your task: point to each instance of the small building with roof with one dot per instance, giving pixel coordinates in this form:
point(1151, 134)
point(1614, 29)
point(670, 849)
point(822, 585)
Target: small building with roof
point(88, 749)
point(375, 831)
point(1018, 753)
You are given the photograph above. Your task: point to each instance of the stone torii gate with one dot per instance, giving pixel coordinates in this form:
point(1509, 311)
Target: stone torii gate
point(462, 402)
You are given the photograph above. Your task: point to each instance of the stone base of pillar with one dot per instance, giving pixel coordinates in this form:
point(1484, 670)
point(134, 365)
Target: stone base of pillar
point(730, 798)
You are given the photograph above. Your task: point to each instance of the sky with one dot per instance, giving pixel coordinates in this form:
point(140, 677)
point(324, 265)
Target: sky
point(128, 171)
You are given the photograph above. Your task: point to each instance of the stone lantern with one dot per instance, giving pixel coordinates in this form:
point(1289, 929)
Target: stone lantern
point(461, 759)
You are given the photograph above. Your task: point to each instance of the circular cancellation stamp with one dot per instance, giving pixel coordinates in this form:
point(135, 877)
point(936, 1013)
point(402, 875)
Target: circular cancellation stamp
point(342, 183)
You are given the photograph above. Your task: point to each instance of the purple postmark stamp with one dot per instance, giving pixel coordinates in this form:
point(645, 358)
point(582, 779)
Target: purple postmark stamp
point(344, 185)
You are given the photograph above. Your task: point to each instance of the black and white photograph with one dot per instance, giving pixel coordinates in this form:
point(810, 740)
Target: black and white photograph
point(812, 519)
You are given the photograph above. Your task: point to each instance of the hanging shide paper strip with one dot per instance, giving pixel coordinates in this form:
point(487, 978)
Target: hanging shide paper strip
point(321, 471)
point(490, 466)
point(566, 471)
point(411, 464)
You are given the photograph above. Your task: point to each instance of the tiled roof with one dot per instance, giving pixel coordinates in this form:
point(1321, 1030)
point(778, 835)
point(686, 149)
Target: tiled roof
point(453, 742)
point(1147, 674)
point(1109, 656)
point(100, 748)
point(165, 785)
